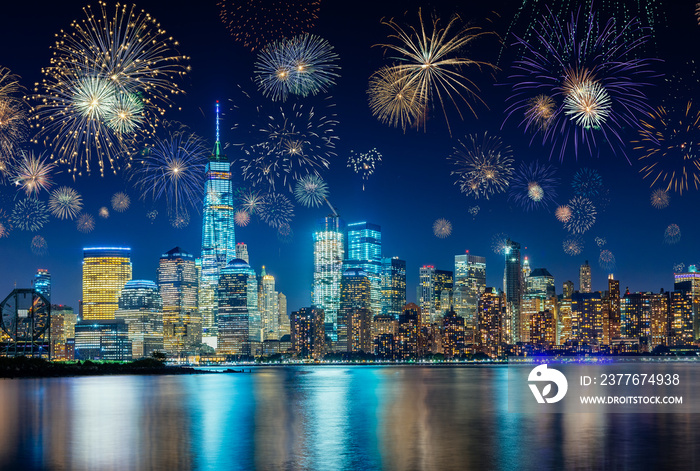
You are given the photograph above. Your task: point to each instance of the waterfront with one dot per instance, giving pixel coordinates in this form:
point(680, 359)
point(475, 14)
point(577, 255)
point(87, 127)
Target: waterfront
point(320, 417)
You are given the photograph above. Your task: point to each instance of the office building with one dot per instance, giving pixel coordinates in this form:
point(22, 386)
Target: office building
point(238, 318)
point(268, 305)
point(587, 318)
point(141, 309)
point(365, 253)
point(513, 291)
point(584, 277)
point(393, 286)
point(491, 313)
point(105, 272)
point(42, 283)
point(435, 293)
point(308, 332)
point(407, 341)
point(242, 252)
point(329, 253)
point(355, 302)
point(689, 283)
point(453, 336)
point(102, 339)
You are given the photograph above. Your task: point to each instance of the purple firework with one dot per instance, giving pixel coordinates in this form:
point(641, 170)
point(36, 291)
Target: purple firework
point(534, 186)
point(578, 84)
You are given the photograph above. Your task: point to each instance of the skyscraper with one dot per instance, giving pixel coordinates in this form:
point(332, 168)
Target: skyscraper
point(218, 231)
point(513, 290)
point(355, 301)
point(283, 314)
point(490, 322)
point(237, 308)
point(308, 332)
point(242, 252)
point(42, 283)
point(614, 309)
point(470, 282)
point(329, 253)
point(105, 272)
point(393, 286)
point(365, 252)
point(690, 283)
point(141, 308)
point(435, 292)
point(268, 306)
point(177, 281)
point(584, 278)
point(587, 318)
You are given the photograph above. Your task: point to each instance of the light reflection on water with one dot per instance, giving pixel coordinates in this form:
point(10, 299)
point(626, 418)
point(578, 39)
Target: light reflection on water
point(354, 418)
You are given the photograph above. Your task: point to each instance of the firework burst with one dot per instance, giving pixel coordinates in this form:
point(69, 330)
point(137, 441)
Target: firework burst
point(394, 99)
point(251, 202)
point(678, 267)
point(672, 234)
point(585, 68)
point(151, 215)
point(600, 241)
point(434, 61)
point(255, 23)
point(303, 65)
point(174, 169)
point(13, 119)
point(109, 74)
point(311, 191)
point(85, 223)
point(583, 215)
point(33, 174)
point(241, 218)
point(606, 260)
point(104, 212)
point(668, 146)
point(29, 214)
point(442, 228)
point(180, 219)
point(120, 202)
point(4, 229)
point(660, 199)
point(285, 143)
point(483, 166)
point(499, 242)
point(573, 245)
point(474, 211)
point(285, 234)
point(364, 163)
point(65, 203)
point(587, 183)
point(534, 186)
point(276, 209)
point(39, 246)
point(563, 213)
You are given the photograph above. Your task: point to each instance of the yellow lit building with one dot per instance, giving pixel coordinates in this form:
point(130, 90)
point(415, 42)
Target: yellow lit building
point(105, 272)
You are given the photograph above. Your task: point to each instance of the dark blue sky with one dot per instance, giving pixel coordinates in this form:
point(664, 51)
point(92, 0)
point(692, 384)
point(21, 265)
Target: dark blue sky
point(410, 190)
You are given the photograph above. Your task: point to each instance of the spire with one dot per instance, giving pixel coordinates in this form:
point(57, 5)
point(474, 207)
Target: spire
point(217, 145)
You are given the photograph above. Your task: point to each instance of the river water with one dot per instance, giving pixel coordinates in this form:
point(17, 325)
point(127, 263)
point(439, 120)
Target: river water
point(321, 417)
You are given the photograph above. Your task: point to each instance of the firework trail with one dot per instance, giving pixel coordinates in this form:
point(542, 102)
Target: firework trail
point(13, 120)
point(365, 163)
point(241, 218)
point(395, 99)
point(606, 260)
point(33, 174)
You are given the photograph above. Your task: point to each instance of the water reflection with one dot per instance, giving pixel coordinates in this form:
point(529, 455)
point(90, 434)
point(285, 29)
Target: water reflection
point(319, 418)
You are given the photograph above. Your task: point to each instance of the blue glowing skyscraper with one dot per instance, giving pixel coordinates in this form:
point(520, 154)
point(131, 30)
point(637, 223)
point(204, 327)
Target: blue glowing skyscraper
point(42, 283)
point(365, 253)
point(329, 253)
point(218, 235)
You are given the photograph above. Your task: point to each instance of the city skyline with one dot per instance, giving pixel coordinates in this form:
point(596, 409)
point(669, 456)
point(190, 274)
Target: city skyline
point(405, 195)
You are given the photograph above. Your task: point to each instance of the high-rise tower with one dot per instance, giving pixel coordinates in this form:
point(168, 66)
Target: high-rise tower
point(513, 289)
point(177, 281)
point(329, 253)
point(105, 272)
point(584, 278)
point(470, 282)
point(365, 253)
point(42, 283)
point(218, 234)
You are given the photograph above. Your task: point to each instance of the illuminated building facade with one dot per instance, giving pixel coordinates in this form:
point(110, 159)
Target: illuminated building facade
point(635, 315)
point(543, 329)
point(470, 282)
point(177, 282)
point(384, 330)
point(308, 332)
point(393, 286)
point(513, 291)
point(680, 318)
point(407, 340)
point(105, 272)
point(435, 293)
point(238, 307)
point(42, 283)
point(104, 339)
point(584, 278)
point(218, 232)
point(613, 299)
point(63, 321)
point(268, 305)
point(329, 253)
point(141, 308)
point(365, 252)
point(283, 314)
point(355, 298)
point(587, 318)
point(491, 313)
point(242, 252)
point(690, 283)
point(453, 337)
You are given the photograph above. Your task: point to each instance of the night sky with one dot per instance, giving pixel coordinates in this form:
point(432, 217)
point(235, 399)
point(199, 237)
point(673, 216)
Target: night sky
point(407, 193)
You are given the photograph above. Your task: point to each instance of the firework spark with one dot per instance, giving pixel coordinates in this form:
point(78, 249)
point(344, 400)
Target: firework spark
point(534, 186)
point(104, 212)
point(285, 234)
point(120, 202)
point(660, 199)
point(563, 213)
point(180, 219)
point(29, 214)
point(13, 119)
point(174, 168)
point(256, 23)
point(678, 267)
point(108, 74)
point(311, 191)
point(434, 61)
point(251, 202)
point(484, 166)
point(152, 215)
point(394, 99)
point(39, 246)
point(606, 260)
point(364, 163)
point(583, 215)
point(4, 229)
point(65, 203)
point(33, 174)
point(442, 228)
point(241, 218)
point(85, 223)
point(669, 147)
point(672, 234)
point(303, 65)
point(499, 242)
point(474, 210)
point(600, 241)
point(276, 209)
point(573, 245)
point(587, 183)
point(585, 67)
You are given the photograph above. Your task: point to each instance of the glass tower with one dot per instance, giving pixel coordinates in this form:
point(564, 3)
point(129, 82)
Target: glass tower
point(141, 307)
point(329, 253)
point(177, 281)
point(218, 234)
point(393, 286)
point(513, 290)
point(470, 282)
point(238, 321)
point(42, 283)
point(365, 253)
point(105, 272)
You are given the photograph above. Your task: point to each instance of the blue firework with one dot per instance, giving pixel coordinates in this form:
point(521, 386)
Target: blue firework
point(587, 183)
point(534, 186)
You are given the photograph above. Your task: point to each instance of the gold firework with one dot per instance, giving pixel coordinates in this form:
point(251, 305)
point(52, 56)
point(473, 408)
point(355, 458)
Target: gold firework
point(540, 111)
point(394, 99)
point(433, 61)
point(586, 102)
